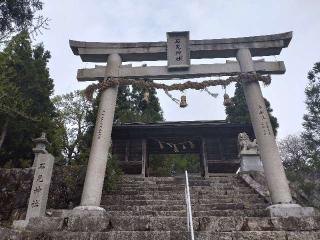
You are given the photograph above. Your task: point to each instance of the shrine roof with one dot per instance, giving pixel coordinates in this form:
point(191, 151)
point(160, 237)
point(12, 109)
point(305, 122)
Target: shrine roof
point(173, 124)
point(180, 128)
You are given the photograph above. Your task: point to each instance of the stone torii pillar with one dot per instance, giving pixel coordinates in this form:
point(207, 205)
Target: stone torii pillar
point(272, 164)
point(92, 190)
point(274, 171)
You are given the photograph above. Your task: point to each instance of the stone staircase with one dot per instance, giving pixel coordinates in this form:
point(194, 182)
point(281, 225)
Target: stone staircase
point(224, 207)
point(164, 197)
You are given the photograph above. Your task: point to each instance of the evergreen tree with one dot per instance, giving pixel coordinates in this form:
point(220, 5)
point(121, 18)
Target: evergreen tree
point(123, 111)
point(311, 124)
point(72, 110)
point(239, 113)
point(131, 106)
point(146, 111)
point(20, 15)
point(25, 105)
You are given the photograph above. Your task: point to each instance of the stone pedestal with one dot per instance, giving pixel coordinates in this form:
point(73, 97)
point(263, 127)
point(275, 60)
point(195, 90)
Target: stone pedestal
point(78, 221)
point(92, 190)
point(290, 210)
point(250, 162)
point(249, 154)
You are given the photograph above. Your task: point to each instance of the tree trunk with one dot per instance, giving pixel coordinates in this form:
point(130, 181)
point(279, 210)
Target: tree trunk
point(4, 132)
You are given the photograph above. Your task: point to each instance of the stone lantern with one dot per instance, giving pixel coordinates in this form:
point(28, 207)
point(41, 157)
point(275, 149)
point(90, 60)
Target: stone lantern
point(41, 144)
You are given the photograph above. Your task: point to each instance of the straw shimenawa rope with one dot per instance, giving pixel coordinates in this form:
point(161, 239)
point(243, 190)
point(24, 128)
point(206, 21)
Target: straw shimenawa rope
point(112, 82)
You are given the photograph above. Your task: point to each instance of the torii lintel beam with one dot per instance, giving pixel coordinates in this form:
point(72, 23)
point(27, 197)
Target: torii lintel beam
point(195, 71)
point(265, 45)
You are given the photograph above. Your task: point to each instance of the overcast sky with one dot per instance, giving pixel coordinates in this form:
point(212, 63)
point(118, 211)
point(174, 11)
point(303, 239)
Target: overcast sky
point(138, 20)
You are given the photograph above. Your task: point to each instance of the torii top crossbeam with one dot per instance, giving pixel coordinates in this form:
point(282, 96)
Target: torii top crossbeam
point(265, 45)
point(178, 56)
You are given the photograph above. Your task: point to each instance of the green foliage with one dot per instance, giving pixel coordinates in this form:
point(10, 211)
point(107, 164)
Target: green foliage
point(25, 89)
point(165, 165)
point(113, 173)
point(20, 15)
point(131, 107)
point(69, 177)
point(311, 124)
point(71, 118)
point(308, 187)
point(239, 113)
point(23, 163)
point(293, 154)
point(146, 112)
point(123, 111)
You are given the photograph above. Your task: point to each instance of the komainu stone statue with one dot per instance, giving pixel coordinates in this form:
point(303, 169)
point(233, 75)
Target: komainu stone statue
point(246, 146)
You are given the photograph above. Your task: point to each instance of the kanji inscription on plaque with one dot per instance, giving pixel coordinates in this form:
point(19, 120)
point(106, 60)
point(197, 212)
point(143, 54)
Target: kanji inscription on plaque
point(178, 52)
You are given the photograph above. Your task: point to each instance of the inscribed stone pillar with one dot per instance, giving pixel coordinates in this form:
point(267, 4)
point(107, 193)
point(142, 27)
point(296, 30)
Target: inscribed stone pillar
point(92, 190)
point(40, 186)
point(40, 190)
point(273, 168)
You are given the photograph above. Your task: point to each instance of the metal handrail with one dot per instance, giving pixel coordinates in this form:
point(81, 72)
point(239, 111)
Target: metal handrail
point(188, 204)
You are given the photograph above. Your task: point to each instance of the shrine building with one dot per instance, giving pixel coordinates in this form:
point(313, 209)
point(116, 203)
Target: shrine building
point(215, 142)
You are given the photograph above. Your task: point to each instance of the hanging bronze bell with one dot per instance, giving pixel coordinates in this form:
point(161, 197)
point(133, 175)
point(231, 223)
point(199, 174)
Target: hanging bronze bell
point(183, 101)
point(227, 100)
point(146, 97)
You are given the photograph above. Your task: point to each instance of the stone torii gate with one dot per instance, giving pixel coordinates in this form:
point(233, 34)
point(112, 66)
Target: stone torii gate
point(178, 50)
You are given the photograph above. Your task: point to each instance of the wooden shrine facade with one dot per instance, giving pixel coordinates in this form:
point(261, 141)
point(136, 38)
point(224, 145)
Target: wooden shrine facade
point(214, 141)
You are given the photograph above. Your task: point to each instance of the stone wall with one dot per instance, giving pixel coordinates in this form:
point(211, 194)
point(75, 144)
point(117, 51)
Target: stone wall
point(15, 185)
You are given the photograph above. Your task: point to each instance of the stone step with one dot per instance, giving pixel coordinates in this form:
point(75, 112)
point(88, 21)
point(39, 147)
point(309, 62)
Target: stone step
point(63, 213)
point(179, 178)
point(181, 188)
point(217, 224)
point(179, 196)
point(182, 181)
point(103, 223)
point(228, 206)
point(182, 213)
point(162, 235)
point(197, 207)
point(130, 202)
point(209, 193)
